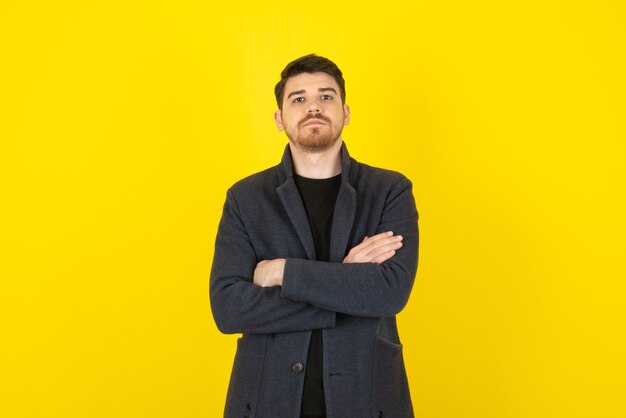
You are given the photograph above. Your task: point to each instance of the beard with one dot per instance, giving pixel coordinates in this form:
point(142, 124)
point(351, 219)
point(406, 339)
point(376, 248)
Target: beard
point(314, 139)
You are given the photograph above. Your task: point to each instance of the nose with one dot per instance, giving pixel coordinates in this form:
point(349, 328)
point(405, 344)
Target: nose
point(313, 107)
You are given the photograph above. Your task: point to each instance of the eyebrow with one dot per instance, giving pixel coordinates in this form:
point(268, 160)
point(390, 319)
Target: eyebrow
point(321, 90)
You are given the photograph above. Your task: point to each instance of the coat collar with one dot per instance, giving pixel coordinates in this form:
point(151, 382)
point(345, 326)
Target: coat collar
point(349, 166)
point(345, 207)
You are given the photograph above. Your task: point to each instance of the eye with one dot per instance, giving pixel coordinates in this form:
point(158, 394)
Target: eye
point(298, 100)
point(327, 97)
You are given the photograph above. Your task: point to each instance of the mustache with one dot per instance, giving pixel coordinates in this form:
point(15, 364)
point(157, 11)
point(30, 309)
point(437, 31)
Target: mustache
point(320, 117)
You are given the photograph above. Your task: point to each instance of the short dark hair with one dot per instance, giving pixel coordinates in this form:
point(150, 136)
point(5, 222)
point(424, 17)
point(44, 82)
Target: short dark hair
point(309, 64)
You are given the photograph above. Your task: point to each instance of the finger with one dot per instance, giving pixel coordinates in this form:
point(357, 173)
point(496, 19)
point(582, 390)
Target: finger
point(376, 238)
point(374, 246)
point(362, 244)
point(384, 249)
point(382, 235)
point(384, 257)
point(367, 241)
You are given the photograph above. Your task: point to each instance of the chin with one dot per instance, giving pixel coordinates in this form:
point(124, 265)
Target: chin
point(315, 145)
point(315, 141)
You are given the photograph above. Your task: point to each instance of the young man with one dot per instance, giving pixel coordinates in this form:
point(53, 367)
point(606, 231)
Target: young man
point(314, 257)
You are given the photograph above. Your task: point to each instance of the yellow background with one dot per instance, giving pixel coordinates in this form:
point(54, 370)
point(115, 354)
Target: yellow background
point(122, 124)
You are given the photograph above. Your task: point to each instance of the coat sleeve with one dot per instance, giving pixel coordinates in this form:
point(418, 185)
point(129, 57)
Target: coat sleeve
point(239, 306)
point(363, 289)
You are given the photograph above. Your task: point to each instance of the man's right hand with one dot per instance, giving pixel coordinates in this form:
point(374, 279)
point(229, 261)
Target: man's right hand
point(375, 249)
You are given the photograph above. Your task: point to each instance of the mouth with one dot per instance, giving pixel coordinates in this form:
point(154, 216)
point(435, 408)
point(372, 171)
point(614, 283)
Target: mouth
point(314, 121)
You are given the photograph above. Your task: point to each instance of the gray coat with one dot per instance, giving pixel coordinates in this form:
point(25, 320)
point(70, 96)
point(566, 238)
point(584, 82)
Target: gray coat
point(354, 304)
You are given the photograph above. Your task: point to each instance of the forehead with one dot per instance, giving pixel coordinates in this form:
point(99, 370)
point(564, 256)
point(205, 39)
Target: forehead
point(310, 81)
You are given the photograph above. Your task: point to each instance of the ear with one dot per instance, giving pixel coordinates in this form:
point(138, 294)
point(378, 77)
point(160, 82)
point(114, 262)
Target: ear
point(346, 114)
point(278, 118)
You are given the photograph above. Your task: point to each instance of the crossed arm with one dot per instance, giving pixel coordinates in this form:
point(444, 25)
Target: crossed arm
point(285, 295)
point(376, 249)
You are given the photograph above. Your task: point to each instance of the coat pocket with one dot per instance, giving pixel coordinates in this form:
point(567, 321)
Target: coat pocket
point(392, 398)
point(245, 378)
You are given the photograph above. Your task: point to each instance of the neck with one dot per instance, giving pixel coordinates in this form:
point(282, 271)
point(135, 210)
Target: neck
point(317, 165)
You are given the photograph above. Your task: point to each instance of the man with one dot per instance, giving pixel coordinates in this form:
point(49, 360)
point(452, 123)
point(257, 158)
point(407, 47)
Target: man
point(313, 259)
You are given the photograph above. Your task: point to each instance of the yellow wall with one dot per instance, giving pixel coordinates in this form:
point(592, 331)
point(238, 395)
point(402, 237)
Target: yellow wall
point(122, 125)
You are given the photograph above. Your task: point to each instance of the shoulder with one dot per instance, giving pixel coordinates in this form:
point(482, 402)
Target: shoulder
point(264, 177)
point(378, 178)
point(380, 187)
point(255, 185)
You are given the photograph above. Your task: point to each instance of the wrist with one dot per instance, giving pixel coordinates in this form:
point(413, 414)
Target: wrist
point(280, 270)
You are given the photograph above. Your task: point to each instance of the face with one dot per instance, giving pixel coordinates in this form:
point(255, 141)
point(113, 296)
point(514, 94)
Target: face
point(312, 114)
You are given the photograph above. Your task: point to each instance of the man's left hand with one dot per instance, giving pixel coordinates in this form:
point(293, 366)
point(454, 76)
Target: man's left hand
point(269, 273)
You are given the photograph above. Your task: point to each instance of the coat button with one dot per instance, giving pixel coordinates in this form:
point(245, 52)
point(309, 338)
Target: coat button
point(248, 406)
point(297, 367)
point(380, 414)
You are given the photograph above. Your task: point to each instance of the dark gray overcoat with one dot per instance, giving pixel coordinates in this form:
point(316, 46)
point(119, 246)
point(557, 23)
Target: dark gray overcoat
point(354, 303)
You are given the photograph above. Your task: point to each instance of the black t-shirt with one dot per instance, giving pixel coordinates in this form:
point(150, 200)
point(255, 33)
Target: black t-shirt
point(319, 197)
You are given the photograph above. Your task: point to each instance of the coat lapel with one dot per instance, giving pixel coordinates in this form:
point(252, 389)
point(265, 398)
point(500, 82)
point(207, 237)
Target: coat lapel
point(343, 219)
point(292, 201)
point(345, 206)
